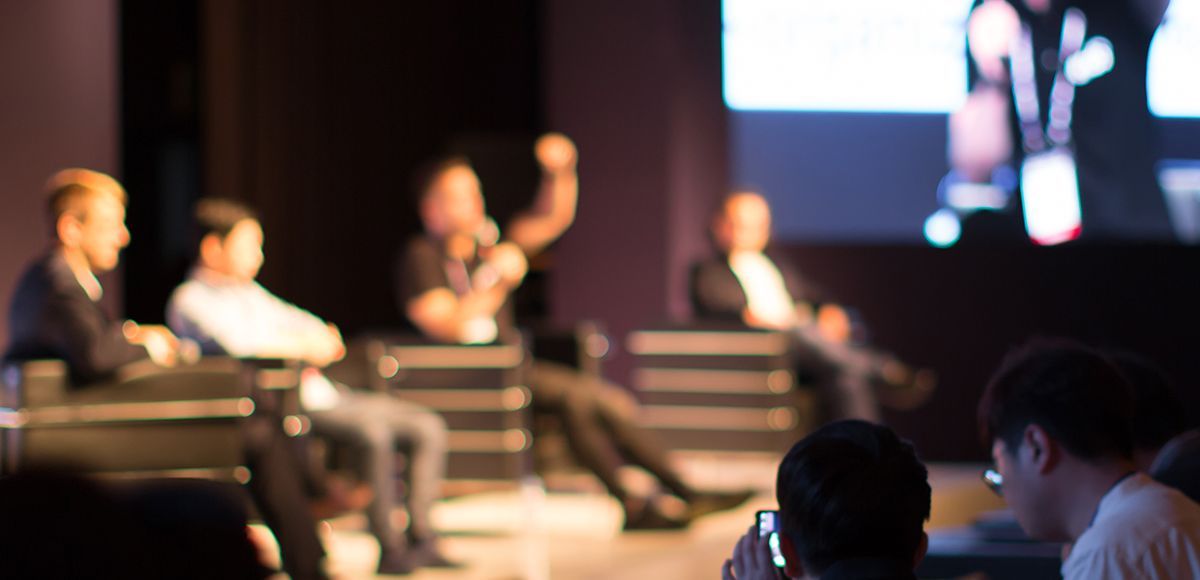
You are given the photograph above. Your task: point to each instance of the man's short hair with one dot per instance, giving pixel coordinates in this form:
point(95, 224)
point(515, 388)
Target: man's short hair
point(1073, 392)
point(218, 216)
point(427, 173)
point(853, 489)
point(67, 190)
point(722, 208)
point(1158, 412)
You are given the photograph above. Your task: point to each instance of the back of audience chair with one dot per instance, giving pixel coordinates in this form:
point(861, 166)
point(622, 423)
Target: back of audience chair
point(147, 422)
point(479, 390)
point(719, 389)
point(1178, 464)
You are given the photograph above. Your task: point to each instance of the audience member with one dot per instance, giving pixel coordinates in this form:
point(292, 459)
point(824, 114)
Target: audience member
point(63, 526)
point(1059, 419)
point(227, 312)
point(1163, 445)
point(853, 499)
point(1158, 413)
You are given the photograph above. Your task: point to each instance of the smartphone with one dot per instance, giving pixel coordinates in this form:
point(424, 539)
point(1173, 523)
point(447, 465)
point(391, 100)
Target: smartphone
point(767, 524)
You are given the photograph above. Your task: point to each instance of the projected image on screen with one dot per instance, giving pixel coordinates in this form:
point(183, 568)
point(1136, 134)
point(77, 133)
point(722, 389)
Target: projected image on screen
point(851, 55)
point(899, 57)
point(840, 111)
point(1174, 85)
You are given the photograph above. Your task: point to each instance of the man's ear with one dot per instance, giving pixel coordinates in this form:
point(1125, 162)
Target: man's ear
point(922, 549)
point(69, 230)
point(1039, 449)
point(210, 251)
point(793, 568)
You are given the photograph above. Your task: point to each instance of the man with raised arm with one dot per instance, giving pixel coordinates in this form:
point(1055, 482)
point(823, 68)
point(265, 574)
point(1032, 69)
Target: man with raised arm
point(455, 282)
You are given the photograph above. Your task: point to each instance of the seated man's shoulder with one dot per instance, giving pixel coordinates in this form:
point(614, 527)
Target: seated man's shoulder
point(1153, 529)
point(48, 274)
point(185, 293)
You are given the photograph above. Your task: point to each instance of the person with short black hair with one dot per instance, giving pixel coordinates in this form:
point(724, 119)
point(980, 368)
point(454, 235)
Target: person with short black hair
point(853, 501)
point(222, 307)
point(1058, 417)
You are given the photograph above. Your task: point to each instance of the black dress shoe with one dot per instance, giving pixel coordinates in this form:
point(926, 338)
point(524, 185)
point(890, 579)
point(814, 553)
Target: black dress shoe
point(423, 554)
point(432, 557)
point(650, 518)
point(397, 563)
point(707, 503)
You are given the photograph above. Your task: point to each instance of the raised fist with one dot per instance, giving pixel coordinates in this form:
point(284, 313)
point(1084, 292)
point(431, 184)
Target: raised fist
point(555, 153)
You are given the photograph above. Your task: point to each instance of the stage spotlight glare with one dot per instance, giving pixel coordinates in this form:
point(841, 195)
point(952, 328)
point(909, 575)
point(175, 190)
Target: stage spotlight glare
point(942, 228)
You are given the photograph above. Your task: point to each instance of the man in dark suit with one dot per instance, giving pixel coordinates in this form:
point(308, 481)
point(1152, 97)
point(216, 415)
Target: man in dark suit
point(55, 311)
point(743, 284)
point(55, 314)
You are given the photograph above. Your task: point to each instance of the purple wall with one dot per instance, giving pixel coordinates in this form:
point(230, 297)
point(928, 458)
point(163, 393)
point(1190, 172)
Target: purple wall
point(58, 108)
point(637, 85)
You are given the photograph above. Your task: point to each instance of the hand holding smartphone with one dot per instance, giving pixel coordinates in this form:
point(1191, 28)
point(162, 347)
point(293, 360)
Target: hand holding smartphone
point(767, 524)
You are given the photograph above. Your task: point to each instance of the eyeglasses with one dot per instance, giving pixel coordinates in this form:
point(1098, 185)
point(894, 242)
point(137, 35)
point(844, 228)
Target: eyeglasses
point(993, 480)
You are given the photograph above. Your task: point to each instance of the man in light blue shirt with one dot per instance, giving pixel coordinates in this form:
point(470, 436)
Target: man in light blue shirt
point(227, 312)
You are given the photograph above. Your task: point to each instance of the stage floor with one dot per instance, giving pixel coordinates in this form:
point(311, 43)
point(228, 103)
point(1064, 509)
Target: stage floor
point(573, 531)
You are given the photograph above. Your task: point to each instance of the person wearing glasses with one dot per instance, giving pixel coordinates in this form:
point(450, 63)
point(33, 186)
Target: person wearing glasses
point(853, 501)
point(1058, 417)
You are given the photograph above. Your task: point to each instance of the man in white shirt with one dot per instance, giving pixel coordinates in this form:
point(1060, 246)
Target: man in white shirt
point(1058, 417)
point(226, 311)
point(744, 284)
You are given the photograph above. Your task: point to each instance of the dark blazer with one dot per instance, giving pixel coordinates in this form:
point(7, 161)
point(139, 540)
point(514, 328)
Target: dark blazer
point(716, 294)
point(52, 317)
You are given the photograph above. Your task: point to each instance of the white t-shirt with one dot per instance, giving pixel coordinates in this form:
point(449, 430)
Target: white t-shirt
point(1142, 529)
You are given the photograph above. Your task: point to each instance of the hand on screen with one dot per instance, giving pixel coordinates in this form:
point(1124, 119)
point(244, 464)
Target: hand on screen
point(990, 31)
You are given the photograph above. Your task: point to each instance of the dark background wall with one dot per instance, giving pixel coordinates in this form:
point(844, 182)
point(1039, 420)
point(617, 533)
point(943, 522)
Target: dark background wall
point(958, 311)
point(317, 113)
point(58, 108)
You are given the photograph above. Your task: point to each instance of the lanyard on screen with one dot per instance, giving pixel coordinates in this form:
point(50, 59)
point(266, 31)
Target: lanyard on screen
point(1062, 93)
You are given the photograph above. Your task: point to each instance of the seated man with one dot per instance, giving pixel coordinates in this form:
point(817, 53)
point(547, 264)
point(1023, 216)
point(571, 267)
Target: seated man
point(1058, 417)
point(743, 284)
point(226, 311)
point(455, 284)
point(55, 314)
point(853, 500)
